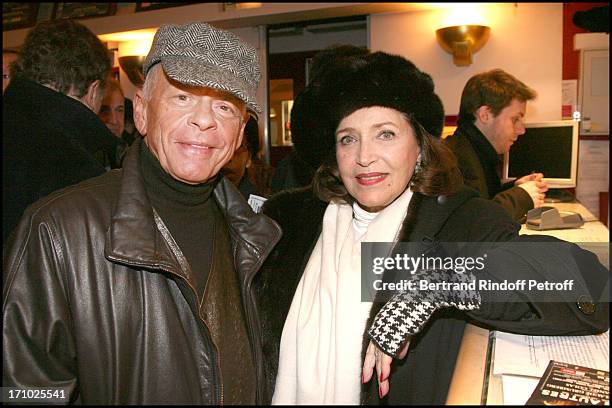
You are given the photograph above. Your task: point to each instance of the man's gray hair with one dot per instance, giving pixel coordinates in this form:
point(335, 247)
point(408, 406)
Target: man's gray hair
point(151, 81)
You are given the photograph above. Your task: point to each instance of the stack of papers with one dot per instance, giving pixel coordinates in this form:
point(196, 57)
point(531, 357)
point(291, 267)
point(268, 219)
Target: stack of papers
point(521, 360)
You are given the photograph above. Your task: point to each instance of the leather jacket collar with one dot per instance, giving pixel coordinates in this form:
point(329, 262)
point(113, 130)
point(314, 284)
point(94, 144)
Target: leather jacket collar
point(134, 239)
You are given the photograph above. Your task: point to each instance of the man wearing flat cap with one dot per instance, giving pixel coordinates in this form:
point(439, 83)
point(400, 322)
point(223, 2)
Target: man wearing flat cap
point(135, 287)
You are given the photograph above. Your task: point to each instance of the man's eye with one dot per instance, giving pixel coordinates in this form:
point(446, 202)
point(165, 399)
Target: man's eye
point(226, 109)
point(182, 98)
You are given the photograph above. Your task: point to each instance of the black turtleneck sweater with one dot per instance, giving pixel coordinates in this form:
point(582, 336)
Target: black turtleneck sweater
point(188, 212)
point(200, 230)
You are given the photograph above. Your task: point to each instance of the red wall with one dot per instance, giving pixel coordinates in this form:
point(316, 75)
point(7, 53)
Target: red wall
point(571, 58)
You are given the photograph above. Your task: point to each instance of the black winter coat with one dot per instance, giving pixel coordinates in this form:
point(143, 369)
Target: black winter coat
point(49, 141)
point(424, 376)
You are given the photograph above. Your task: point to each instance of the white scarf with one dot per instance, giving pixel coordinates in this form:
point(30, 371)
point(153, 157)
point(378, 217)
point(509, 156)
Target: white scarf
point(320, 351)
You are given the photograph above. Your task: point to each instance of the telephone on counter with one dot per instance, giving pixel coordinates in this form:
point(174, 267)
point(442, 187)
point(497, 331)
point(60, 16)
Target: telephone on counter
point(547, 218)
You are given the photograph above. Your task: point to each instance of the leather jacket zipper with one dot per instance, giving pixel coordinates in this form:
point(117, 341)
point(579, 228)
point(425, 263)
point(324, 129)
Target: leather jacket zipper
point(219, 378)
point(179, 256)
point(213, 341)
point(217, 370)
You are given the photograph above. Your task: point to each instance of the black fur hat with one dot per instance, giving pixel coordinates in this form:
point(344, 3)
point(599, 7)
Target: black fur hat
point(384, 80)
point(307, 115)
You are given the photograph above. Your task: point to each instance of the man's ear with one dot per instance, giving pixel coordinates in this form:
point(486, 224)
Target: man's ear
point(140, 112)
point(483, 114)
point(93, 96)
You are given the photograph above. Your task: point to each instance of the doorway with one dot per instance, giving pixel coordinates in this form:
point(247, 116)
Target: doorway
point(290, 51)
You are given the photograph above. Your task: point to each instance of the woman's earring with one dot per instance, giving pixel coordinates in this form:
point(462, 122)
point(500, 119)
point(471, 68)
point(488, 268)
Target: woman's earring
point(419, 164)
point(418, 167)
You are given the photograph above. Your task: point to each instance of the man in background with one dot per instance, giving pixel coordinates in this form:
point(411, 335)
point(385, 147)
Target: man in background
point(8, 56)
point(246, 170)
point(112, 108)
point(51, 135)
point(491, 114)
point(112, 113)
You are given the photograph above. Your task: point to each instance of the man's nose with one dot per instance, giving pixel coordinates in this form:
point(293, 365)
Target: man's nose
point(202, 115)
point(116, 117)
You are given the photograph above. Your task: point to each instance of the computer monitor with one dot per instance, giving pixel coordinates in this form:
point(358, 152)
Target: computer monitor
point(550, 148)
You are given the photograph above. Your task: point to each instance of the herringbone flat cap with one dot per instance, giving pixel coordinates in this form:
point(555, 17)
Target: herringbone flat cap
point(202, 55)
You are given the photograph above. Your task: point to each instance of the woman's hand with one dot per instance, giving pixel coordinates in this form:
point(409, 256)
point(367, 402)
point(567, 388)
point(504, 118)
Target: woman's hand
point(376, 358)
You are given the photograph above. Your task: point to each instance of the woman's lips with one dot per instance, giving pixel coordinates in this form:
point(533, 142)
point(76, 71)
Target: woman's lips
point(368, 179)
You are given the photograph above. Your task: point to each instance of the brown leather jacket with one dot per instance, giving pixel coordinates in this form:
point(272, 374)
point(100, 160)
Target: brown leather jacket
point(97, 298)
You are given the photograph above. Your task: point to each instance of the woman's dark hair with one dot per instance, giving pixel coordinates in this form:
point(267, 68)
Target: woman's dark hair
point(393, 82)
point(63, 54)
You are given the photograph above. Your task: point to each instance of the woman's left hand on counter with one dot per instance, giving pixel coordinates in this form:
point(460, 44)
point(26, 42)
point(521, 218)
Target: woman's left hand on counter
point(375, 357)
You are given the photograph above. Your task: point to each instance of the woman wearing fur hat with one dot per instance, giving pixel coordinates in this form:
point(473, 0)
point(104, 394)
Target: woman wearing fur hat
point(389, 179)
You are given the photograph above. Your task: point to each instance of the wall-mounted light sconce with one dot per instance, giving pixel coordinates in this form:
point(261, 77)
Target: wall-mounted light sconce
point(132, 55)
point(132, 48)
point(462, 41)
point(132, 66)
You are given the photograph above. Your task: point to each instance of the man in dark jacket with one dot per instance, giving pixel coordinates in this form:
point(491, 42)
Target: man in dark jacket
point(490, 120)
point(51, 137)
point(135, 287)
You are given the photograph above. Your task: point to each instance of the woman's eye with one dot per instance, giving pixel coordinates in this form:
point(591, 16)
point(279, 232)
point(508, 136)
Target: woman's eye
point(344, 140)
point(386, 135)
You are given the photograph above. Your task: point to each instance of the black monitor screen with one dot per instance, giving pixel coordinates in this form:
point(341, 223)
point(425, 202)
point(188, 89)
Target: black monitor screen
point(546, 150)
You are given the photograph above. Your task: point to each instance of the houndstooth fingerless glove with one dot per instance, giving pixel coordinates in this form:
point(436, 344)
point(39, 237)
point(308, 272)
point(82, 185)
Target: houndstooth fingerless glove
point(406, 313)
